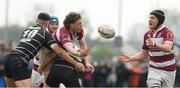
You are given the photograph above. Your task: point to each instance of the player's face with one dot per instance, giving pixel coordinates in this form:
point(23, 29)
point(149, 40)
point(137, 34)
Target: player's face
point(53, 26)
point(77, 26)
point(153, 21)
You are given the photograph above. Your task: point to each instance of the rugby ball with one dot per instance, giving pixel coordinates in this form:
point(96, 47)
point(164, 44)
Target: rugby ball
point(106, 31)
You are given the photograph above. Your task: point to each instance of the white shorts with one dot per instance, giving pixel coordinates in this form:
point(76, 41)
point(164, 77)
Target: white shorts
point(166, 78)
point(36, 78)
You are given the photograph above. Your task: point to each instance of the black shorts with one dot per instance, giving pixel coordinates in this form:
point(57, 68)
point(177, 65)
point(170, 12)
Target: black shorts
point(16, 68)
point(63, 73)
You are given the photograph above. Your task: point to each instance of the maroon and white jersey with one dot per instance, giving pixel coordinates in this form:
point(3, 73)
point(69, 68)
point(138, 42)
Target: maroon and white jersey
point(63, 36)
point(160, 59)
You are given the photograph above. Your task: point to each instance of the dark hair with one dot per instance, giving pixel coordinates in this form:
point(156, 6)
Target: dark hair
point(72, 17)
point(43, 16)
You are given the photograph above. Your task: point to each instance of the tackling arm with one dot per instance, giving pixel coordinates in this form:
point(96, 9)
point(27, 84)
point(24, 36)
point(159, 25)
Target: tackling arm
point(71, 50)
point(62, 53)
point(46, 61)
point(69, 47)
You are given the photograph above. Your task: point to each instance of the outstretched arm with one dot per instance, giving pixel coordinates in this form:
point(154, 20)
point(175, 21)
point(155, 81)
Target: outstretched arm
point(139, 56)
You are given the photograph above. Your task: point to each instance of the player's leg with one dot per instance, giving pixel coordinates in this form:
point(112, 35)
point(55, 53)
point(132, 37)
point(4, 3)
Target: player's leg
point(23, 83)
point(17, 69)
point(9, 82)
point(37, 79)
point(72, 79)
point(169, 78)
point(62, 86)
point(154, 79)
point(154, 83)
point(46, 72)
point(8, 78)
point(53, 79)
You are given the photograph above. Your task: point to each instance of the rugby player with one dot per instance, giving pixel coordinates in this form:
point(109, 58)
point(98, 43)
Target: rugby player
point(32, 40)
point(158, 45)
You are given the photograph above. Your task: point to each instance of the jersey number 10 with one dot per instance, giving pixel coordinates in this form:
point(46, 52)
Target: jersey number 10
point(29, 33)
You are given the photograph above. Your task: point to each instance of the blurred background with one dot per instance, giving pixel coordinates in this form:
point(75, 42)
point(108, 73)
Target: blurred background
point(129, 18)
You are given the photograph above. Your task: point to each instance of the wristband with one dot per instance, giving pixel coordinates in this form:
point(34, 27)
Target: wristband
point(154, 45)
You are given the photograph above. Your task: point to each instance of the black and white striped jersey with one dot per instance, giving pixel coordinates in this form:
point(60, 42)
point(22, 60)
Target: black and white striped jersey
point(32, 40)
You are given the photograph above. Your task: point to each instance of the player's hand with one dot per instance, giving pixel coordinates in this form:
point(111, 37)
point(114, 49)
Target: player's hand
point(89, 68)
point(84, 52)
point(124, 58)
point(40, 70)
point(149, 42)
point(80, 67)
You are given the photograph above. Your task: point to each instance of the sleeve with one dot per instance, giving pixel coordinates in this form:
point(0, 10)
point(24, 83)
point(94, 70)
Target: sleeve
point(144, 43)
point(80, 35)
point(65, 38)
point(168, 36)
point(48, 40)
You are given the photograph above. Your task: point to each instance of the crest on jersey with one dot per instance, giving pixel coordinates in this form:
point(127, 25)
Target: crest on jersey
point(66, 37)
point(169, 35)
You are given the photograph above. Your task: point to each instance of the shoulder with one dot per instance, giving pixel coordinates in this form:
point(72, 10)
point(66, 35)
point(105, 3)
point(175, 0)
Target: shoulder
point(36, 27)
point(63, 30)
point(166, 30)
point(62, 34)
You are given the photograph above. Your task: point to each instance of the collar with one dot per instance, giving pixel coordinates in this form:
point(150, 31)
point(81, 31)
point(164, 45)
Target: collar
point(47, 29)
point(39, 26)
point(159, 29)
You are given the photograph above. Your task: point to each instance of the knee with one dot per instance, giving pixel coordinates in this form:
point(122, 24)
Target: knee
point(153, 83)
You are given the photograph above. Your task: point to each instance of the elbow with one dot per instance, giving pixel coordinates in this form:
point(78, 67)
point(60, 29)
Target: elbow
point(168, 50)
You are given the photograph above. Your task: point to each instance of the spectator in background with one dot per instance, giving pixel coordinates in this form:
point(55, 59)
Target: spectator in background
point(2, 80)
point(122, 75)
point(135, 72)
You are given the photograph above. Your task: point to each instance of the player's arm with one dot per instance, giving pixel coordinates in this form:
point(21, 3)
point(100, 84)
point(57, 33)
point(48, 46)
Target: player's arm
point(166, 46)
point(62, 53)
point(139, 56)
point(69, 47)
point(50, 43)
point(84, 47)
point(48, 58)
